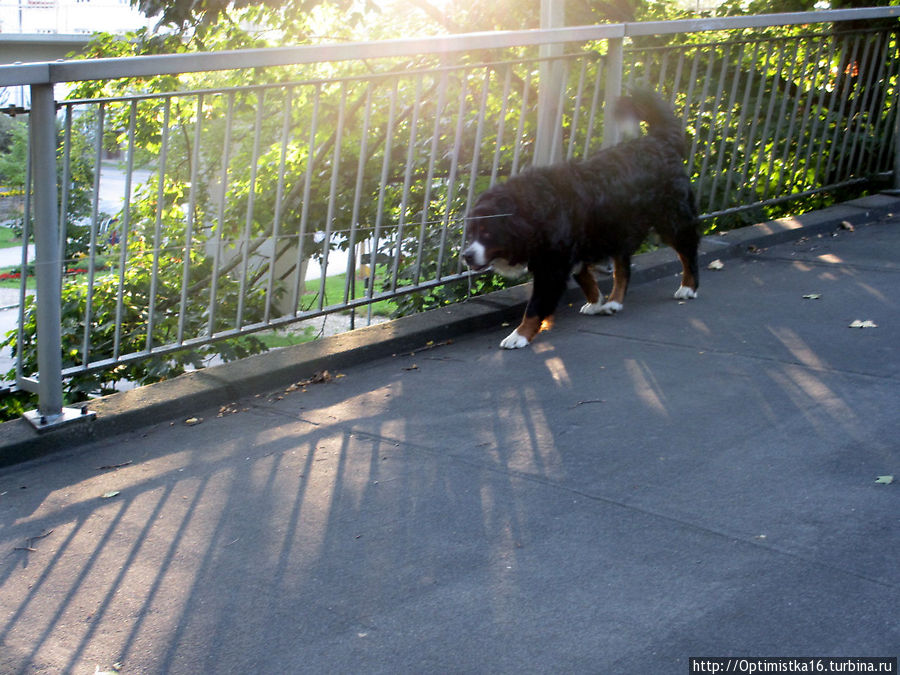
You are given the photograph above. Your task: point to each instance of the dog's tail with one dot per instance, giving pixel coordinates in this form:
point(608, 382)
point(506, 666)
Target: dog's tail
point(646, 106)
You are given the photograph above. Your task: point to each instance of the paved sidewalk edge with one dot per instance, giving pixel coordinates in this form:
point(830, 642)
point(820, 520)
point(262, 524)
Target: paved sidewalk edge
point(263, 373)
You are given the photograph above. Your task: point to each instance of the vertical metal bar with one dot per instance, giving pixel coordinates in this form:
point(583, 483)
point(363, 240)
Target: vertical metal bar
point(220, 218)
point(692, 81)
point(751, 138)
point(780, 117)
point(299, 281)
point(191, 217)
point(886, 117)
point(429, 180)
point(740, 141)
point(556, 144)
point(66, 179)
point(589, 134)
point(663, 69)
point(576, 113)
point(679, 70)
point(517, 151)
point(124, 230)
point(279, 196)
point(26, 236)
point(726, 128)
point(92, 250)
point(47, 262)
point(501, 124)
point(860, 114)
point(379, 211)
point(407, 179)
point(454, 165)
point(479, 129)
point(806, 80)
point(877, 102)
point(329, 217)
point(628, 70)
point(704, 97)
point(837, 118)
point(349, 282)
point(614, 65)
point(853, 97)
point(813, 144)
point(157, 226)
point(251, 205)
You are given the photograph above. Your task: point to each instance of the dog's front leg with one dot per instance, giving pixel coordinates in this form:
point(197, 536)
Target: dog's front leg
point(523, 334)
point(548, 288)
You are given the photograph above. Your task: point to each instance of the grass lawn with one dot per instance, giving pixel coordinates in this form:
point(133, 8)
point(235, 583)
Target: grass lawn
point(8, 238)
point(334, 293)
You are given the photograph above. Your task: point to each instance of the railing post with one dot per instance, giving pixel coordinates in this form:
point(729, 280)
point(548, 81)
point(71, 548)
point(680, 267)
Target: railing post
point(553, 15)
point(615, 59)
point(48, 265)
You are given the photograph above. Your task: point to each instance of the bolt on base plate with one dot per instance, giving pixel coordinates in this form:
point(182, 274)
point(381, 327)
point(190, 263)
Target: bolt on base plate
point(42, 422)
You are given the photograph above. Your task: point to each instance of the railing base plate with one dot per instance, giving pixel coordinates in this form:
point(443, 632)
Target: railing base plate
point(68, 416)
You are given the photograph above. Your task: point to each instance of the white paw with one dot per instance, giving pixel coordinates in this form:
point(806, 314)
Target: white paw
point(610, 307)
point(514, 341)
point(685, 293)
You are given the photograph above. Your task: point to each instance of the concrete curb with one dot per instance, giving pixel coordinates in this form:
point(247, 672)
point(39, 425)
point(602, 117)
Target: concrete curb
point(219, 385)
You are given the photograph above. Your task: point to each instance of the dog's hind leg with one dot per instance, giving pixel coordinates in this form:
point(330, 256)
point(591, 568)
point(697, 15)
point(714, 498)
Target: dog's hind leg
point(685, 245)
point(585, 279)
point(616, 299)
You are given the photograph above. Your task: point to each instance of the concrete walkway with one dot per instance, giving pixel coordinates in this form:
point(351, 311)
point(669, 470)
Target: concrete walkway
point(682, 479)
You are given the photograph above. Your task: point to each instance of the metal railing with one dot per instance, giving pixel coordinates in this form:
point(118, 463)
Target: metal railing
point(247, 178)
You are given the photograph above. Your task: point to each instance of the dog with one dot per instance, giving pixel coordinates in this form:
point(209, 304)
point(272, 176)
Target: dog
point(556, 221)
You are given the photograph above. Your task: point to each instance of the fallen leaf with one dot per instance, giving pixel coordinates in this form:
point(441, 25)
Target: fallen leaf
point(412, 367)
point(114, 670)
point(191, 421)
point(109, 495)
point(716, 265)
point(108, 467)
point(884, 480)
point(846, 225)
point(864, 324)
point(812, 296)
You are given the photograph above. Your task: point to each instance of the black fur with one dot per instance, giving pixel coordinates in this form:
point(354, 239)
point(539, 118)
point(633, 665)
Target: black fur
point(554, 218)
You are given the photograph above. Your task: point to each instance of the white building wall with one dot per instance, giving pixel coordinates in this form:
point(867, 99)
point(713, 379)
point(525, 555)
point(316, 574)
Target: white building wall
point(69, 16)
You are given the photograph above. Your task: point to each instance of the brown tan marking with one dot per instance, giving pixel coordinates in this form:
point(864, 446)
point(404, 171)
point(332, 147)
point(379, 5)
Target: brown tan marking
point(687, 279)
point(588, 283)
point(620, 282)
point(530, 326)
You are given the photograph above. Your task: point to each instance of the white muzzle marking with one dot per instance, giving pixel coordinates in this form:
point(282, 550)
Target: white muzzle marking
point(476, 251)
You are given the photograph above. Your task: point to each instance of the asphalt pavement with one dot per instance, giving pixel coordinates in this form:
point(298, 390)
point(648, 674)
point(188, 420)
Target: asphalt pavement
point(684, 479)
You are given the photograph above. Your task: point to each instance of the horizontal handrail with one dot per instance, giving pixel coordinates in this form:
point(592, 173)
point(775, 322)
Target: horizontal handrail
point(78, 70)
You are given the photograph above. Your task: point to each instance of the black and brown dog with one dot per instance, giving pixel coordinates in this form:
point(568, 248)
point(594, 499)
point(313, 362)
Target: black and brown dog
point(557, 220)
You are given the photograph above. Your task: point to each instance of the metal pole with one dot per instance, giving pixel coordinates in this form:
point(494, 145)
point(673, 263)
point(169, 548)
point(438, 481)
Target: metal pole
point(553, 15)
point(48, 263)
point(615, 64)
point(46, 240)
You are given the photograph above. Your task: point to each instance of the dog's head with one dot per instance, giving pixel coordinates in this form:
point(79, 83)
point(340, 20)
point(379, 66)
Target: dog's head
point(493, 234)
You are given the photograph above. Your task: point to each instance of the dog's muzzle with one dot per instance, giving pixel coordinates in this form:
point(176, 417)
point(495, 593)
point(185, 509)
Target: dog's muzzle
point(475, 256)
